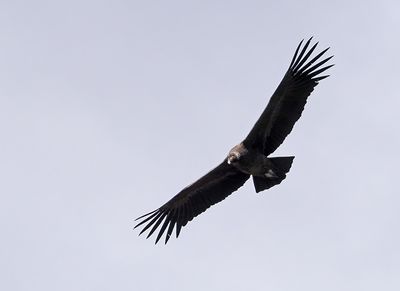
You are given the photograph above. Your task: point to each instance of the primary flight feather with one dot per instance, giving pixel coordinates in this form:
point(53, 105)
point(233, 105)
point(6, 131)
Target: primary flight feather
point(251, 156)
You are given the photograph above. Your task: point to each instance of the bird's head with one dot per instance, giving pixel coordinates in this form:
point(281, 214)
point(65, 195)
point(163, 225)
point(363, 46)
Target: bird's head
point(233, 157)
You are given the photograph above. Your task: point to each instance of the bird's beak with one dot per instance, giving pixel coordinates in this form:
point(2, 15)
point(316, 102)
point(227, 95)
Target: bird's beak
point(231, 159)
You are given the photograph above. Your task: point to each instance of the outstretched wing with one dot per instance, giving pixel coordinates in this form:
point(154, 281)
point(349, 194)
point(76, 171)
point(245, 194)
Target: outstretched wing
point(288, 101)
point(193, 200)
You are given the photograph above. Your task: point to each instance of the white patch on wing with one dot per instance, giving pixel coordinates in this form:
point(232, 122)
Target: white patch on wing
point(270, 174)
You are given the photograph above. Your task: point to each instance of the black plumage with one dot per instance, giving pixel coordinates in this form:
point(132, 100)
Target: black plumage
point(250, 157)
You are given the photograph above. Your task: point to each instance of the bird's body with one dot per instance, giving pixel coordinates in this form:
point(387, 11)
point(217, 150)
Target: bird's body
point(251, 157)
point(249, 161)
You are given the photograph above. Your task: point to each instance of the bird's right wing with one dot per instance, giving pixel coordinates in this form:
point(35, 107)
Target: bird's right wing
point(193, 200)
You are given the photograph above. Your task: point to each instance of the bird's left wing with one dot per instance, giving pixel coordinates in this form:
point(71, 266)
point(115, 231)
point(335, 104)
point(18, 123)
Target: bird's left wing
point(288, 101)
point(193, 200)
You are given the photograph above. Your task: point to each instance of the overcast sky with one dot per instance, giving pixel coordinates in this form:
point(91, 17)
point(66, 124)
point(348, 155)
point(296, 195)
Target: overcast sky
point(109, 108)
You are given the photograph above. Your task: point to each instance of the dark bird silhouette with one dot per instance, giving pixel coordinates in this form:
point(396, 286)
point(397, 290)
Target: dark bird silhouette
point(251, 156)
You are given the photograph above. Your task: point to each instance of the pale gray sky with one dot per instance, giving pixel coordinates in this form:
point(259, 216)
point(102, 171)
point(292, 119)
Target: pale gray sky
point(97, 98)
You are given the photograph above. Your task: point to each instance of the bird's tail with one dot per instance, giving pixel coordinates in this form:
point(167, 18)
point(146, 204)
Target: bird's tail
point(274, 176)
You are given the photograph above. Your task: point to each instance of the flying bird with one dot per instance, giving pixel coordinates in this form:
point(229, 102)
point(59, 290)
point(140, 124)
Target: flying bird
point(251, 156)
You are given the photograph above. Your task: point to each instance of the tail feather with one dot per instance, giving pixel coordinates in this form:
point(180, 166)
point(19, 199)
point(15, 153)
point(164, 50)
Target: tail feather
point(283, 163)
point(282, 167)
